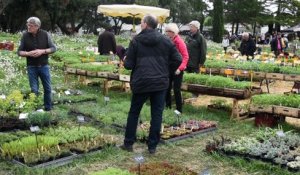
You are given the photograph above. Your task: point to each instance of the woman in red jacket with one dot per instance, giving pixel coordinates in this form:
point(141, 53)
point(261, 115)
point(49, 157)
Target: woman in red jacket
point(171, 30)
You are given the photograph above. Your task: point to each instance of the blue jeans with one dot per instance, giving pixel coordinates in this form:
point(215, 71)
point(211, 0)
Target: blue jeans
point(157, 101)
point(34, 72)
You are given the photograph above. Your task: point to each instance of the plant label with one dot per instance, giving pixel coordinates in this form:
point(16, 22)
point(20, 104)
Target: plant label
point(59, 95)
point(139, 159)
point(80, 119)
point(34, 129)
point(23, 116)
point(280, 133)
point(177, 112)
point(40, 110)
point(106, 99)
point(67, 92)
point(2, 96)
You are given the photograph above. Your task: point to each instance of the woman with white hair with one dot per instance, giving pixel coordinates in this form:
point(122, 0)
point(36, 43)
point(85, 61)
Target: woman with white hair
point(171, 30)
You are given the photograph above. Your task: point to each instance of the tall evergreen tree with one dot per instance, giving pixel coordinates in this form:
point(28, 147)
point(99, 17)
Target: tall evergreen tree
point(218, 21)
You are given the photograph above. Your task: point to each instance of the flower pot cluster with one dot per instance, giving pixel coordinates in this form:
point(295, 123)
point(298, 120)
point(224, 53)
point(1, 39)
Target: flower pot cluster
point(53, 144)
point(184, 129)
point(271, 145)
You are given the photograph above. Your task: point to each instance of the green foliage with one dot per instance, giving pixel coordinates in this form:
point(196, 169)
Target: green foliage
point(215, 81)
point(292, 100)
point(26, 145)
point(39, 118)
point(69, 135)
point(218, 21)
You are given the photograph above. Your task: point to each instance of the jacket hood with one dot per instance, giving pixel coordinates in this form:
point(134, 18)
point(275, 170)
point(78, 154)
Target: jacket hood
point(149, 37)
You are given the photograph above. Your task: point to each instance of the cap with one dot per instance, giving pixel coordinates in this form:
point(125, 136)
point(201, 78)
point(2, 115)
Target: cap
point(195, 23)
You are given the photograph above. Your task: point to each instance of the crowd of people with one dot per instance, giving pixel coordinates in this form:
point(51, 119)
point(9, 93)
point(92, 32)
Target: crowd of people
point(157, 61)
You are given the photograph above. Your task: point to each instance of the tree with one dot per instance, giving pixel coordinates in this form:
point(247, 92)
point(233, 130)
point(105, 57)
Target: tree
point(218, 21)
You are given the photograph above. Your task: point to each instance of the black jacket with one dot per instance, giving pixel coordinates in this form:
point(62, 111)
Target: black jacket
point(150, 56)
point(247, 47)
point(106, 43)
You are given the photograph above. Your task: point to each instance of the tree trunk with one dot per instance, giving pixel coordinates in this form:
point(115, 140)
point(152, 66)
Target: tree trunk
point(237, 28)
point(232, 28)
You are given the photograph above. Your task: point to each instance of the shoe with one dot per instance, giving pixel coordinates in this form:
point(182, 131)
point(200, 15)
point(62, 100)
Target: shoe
point(127, 148)
point(152, 151)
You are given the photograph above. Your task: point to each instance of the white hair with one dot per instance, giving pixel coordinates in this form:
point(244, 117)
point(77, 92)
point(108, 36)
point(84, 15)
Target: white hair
point(34, 20)
point(172, 27)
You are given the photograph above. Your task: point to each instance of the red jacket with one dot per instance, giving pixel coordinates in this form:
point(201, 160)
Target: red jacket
point(181, 47)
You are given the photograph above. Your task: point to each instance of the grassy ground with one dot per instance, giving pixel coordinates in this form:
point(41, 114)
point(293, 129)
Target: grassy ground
point(188, 153)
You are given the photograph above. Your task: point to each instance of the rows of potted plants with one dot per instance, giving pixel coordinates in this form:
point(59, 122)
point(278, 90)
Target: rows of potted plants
point(254, 66)
point(272, 145)
point(215, 81)
point(170, 131)
point(52, 144)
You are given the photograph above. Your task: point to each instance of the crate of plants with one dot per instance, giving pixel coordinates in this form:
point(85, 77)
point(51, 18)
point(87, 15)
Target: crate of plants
point(55, 147)
point(269, 145)
point(279, 104)
point(13, 105)
point(63, 96)
point(217, 86)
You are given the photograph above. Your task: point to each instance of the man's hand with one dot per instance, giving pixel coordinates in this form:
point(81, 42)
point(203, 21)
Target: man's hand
point(36, 53)
point(177, 72)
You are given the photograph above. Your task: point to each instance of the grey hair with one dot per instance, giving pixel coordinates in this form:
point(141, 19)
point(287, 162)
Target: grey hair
point(34, 20)
point(172, 27)
point(151, 21)
point(245, 35)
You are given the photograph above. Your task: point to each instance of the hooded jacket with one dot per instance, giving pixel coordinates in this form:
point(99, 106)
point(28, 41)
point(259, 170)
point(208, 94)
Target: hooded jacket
point(150, 56)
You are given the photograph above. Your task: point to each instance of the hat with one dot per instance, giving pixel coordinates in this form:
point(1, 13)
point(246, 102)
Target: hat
point(195, 23)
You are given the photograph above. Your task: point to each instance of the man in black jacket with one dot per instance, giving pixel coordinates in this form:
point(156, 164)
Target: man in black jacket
point(150, 56)
point(107, 42)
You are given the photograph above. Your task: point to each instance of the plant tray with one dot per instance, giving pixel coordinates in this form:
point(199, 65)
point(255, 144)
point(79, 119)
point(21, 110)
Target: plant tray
point(292, 77)
point(8, 124)
point(214, 71)
point(70, 70)
point(274, 76)
point(102, 74)
point(54, 163)
point(259, 108)
point(192, 134)
point(287, 111)
point(241, 73)
point(81, 72)
point(113, 76)
point(260, 75)
point(91, 73)
point(223, 92)
point(125, 78)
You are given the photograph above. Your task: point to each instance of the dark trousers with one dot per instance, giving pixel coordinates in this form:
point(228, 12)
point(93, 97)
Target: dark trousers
point(175, 82)
point(192, 70)
point(157, 101)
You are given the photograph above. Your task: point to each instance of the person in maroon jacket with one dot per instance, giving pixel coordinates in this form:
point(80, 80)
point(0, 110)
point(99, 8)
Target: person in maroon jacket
point(171, 30)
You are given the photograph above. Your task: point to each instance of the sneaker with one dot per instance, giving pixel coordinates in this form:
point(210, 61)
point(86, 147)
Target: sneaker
point(127, 148)
point(152, 151)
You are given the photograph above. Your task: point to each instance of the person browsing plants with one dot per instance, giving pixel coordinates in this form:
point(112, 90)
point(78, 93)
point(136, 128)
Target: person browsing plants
point(150, 56)
point(36, 44)
point(176, 76)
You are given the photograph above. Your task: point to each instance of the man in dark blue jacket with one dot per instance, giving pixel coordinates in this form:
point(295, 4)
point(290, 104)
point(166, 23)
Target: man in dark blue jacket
point(150, 56)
